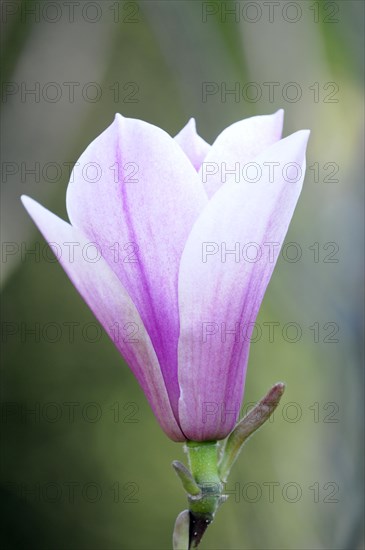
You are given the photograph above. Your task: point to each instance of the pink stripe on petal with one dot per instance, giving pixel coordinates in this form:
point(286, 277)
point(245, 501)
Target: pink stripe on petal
point(112, 306)
point(212, 361)
point(140, 211)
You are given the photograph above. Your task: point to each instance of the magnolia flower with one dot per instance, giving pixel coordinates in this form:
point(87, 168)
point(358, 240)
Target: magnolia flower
point(186, 238)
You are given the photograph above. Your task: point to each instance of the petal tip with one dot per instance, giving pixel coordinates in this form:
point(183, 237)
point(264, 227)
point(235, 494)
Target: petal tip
point(28, 202)
point(36, 211)
point(304, 134)
point(118, 119)
point(279, 114)
point(300, 137)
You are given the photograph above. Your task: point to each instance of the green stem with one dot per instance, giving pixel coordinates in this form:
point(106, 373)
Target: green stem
point(203, 462)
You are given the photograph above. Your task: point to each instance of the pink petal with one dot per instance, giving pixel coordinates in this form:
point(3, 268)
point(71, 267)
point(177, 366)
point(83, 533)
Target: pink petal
point(212, 367)
point(195, 147)
point(148, 195)
point(238, 144)
point(112, 306)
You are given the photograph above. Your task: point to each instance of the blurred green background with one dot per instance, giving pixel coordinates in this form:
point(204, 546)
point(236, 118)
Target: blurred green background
point(84, 463)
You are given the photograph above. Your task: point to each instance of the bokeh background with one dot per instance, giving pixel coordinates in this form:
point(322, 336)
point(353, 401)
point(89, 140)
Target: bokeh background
point(84, 463)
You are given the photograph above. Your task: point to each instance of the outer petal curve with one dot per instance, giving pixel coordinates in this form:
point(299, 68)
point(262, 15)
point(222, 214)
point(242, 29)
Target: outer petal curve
point(194, 146)
point(144, 203)
point(229, 289)
point(112, 306)
point(238, 144)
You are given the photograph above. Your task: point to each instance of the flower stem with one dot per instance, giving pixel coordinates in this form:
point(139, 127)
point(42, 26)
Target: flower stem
point(203, 462)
